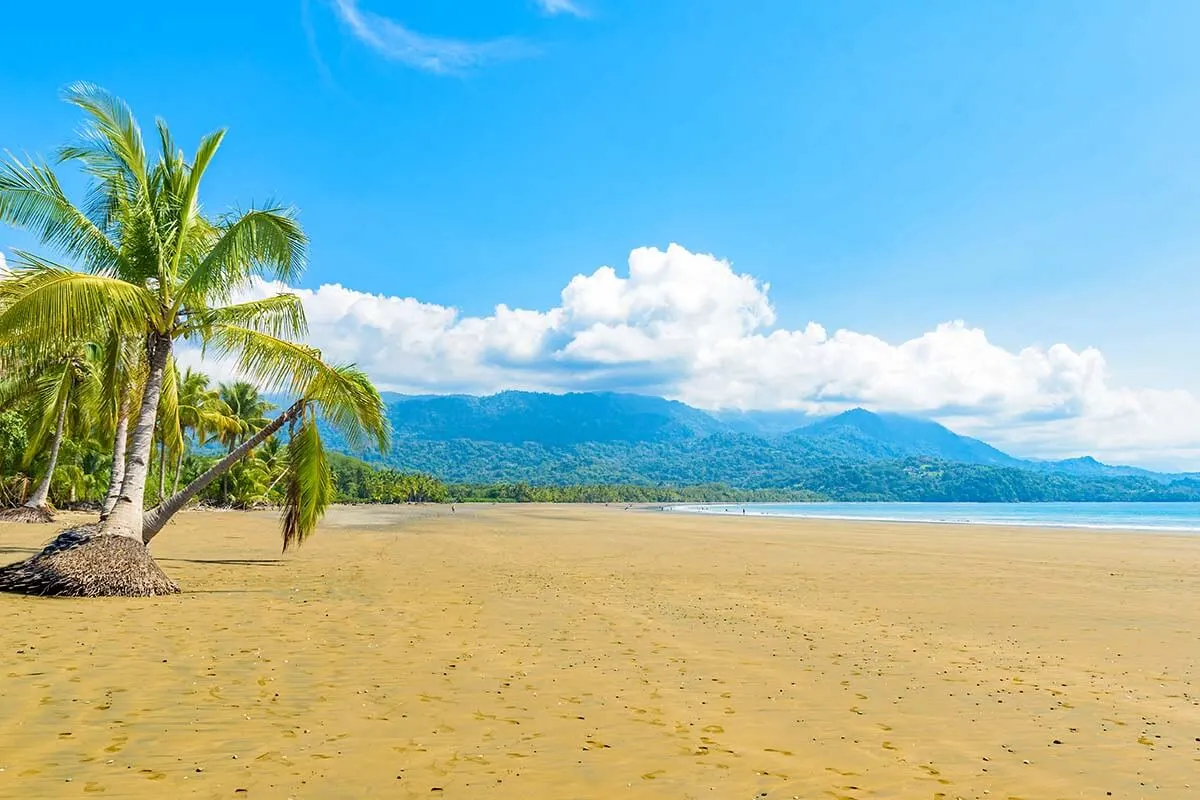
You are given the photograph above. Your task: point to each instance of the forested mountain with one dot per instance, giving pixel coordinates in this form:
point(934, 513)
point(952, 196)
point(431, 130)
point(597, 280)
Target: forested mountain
point(862, 435)
point(609, 438)
point(548, 419)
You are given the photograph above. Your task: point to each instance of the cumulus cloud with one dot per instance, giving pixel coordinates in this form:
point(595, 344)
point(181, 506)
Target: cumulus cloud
point(555, 7)
point(691, 327)
point(398, 42)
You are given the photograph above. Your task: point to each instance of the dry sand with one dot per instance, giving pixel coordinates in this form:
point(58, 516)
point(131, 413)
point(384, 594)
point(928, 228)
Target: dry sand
point(570, 652)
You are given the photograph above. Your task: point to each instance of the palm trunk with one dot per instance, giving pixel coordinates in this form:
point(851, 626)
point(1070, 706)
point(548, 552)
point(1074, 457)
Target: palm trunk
point(117, 475)
point(158, 516)
point(162, 469)
point(178, 471)
point(127, 514)
point(225, 479)
point(41, 496)
point(274, 483)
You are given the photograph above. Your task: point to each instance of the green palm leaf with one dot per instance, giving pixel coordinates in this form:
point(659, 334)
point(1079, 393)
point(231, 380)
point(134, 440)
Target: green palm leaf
point(281, 315)
point(44, 303)
point(31, 197)
point(112, 144)
point(309, 484)
point(267, 242)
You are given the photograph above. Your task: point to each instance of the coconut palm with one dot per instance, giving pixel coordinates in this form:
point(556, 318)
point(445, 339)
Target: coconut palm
point(341, 396)
point(248, 407)
point(249, 410)
point(121, 375)
point(81, 473)
point(150, 266)
point(202, 415)
point(64, 394)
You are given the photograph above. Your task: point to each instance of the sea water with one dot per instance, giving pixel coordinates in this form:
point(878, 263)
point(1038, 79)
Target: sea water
point(1177, 517)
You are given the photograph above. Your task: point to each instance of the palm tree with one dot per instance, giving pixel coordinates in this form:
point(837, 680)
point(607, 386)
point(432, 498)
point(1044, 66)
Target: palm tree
point(121, 373)
point(150, 267)
point(341, 396)
point(250, 412)
point(247, 407)
point(202, 414)
point(62, 392)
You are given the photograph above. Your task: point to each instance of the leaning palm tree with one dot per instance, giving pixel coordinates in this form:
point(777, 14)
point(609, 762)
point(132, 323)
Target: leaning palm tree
point(342, 396)
point(151, 266)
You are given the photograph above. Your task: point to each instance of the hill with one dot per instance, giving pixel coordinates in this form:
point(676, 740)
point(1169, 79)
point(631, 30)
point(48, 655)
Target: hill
point(861, 435)
point(612, 438)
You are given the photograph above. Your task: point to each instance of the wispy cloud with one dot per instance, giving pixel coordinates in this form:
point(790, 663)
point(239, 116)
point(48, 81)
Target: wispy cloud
point(555, 7)
point(437, 54)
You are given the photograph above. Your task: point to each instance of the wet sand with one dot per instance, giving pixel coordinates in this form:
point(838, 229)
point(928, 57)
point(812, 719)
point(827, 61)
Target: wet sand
point(572, 652)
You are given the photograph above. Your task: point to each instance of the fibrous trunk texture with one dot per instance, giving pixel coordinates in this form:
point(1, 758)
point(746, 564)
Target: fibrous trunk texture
point(84, 562)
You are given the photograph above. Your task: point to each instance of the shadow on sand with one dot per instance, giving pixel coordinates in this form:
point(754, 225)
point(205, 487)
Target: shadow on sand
point(235, 562)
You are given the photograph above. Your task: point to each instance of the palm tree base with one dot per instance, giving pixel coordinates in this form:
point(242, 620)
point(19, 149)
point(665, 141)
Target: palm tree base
point(27, 514)
point(81, 562)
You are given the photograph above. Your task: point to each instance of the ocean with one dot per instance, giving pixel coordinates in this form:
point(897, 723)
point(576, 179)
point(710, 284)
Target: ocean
point(1166, 517)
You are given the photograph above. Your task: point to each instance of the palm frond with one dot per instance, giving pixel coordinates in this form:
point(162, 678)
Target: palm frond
point(189, 197)
point(31, 197)
point(274, 363)
point(112, 143)
point(266, 242)
point(45, 304)
point(280, 315)
point(169, 429)
point(309, 483)
point(15, 389)
point(351, 403)
point(54, 392)
point(344, 393)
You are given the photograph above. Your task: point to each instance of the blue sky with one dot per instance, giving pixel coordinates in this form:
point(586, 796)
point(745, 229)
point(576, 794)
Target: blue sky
point(1030, 168)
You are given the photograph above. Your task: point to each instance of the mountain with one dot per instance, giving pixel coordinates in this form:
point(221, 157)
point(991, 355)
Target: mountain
point(862, 435)
point(612, 438)
point(551, 420)
point(763, 423)
point(1088, 466)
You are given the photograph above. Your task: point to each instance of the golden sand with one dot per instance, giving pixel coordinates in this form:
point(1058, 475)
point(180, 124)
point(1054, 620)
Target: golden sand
point(570, 652)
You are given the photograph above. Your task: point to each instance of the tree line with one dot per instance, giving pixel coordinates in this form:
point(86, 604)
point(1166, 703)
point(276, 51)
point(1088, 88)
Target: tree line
point(356, 481)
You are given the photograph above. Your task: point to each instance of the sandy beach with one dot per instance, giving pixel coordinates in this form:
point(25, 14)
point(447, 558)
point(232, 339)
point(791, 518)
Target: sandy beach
point(572, 652)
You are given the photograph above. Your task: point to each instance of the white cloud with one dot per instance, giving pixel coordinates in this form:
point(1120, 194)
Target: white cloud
point(689, 326)
point(438, 54)
point(555, 7)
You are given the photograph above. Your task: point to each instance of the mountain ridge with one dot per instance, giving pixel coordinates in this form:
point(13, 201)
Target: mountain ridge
point(590, 433)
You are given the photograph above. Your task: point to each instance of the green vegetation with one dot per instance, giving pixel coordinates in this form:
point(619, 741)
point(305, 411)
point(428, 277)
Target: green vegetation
point(358, 482)
point(907, 480)
point(552, 441)
point(87, 345)
point(780, 467)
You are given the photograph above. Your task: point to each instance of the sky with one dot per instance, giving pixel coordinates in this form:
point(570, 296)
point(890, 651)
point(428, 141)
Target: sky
point(986, 213)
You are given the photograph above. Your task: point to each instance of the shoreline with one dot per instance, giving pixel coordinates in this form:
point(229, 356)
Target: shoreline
point(710, 510)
